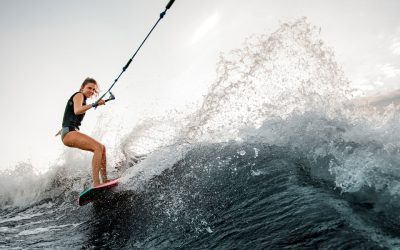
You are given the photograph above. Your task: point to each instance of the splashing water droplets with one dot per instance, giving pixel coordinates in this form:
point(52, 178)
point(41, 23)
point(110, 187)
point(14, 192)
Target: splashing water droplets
point(271, 75)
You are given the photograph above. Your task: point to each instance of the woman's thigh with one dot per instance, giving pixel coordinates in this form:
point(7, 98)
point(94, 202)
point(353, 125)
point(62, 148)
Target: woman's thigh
point(78, 140)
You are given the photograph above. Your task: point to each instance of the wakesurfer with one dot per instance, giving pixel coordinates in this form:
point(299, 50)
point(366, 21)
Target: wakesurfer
point(74, 113)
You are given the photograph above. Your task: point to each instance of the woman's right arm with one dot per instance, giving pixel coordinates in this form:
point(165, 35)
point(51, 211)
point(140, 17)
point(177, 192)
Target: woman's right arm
point(78, 107)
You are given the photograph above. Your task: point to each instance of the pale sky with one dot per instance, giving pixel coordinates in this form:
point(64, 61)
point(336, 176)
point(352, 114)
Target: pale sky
point(48, 47)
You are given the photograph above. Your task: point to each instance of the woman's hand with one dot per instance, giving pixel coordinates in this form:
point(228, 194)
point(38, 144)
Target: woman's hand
point(101, 102)
point(98, 103)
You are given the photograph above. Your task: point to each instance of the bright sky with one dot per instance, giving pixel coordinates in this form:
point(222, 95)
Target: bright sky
point(48, 47)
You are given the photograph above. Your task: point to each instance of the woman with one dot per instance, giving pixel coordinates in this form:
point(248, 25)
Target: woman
point(70, 135)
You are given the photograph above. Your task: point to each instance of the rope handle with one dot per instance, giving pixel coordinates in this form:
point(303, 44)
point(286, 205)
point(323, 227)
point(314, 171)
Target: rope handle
point(96, 103)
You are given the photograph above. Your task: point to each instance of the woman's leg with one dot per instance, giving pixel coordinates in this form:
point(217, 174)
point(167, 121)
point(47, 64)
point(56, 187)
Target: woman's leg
point(76, 139)
point(103, 168)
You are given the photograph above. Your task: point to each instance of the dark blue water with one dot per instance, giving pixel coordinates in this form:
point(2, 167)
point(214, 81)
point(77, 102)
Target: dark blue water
point(276, 157)
point(221, 196)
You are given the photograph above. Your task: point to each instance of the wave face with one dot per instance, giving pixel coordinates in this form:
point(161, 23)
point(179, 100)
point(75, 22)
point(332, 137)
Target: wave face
point(276, 157)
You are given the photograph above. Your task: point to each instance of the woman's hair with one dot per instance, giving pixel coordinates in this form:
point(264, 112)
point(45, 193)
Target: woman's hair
point(90, 80)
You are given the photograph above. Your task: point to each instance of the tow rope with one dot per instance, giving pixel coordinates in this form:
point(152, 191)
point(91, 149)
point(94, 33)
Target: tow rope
point(112, 97)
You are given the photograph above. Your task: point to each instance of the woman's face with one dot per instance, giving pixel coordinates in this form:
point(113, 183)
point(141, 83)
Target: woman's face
point(89, 89)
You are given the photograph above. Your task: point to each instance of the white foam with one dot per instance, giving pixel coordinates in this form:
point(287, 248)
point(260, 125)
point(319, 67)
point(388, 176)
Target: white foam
point(45, 229)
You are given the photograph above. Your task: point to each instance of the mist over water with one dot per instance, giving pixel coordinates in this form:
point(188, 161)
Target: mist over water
point(277, 156)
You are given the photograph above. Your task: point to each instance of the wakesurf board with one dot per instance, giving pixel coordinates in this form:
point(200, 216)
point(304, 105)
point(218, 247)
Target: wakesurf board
point(96, 193)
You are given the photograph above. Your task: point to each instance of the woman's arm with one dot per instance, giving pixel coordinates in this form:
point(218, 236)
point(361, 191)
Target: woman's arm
point(78, 107)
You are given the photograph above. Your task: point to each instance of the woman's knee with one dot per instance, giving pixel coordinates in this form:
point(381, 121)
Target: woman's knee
point(100, 148)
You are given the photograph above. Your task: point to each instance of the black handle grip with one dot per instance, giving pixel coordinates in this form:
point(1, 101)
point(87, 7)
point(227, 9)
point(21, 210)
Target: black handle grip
point(169, 4)
point(112, 97)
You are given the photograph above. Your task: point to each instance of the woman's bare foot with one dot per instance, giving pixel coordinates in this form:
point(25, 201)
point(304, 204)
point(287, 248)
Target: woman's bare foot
point(105, 179)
